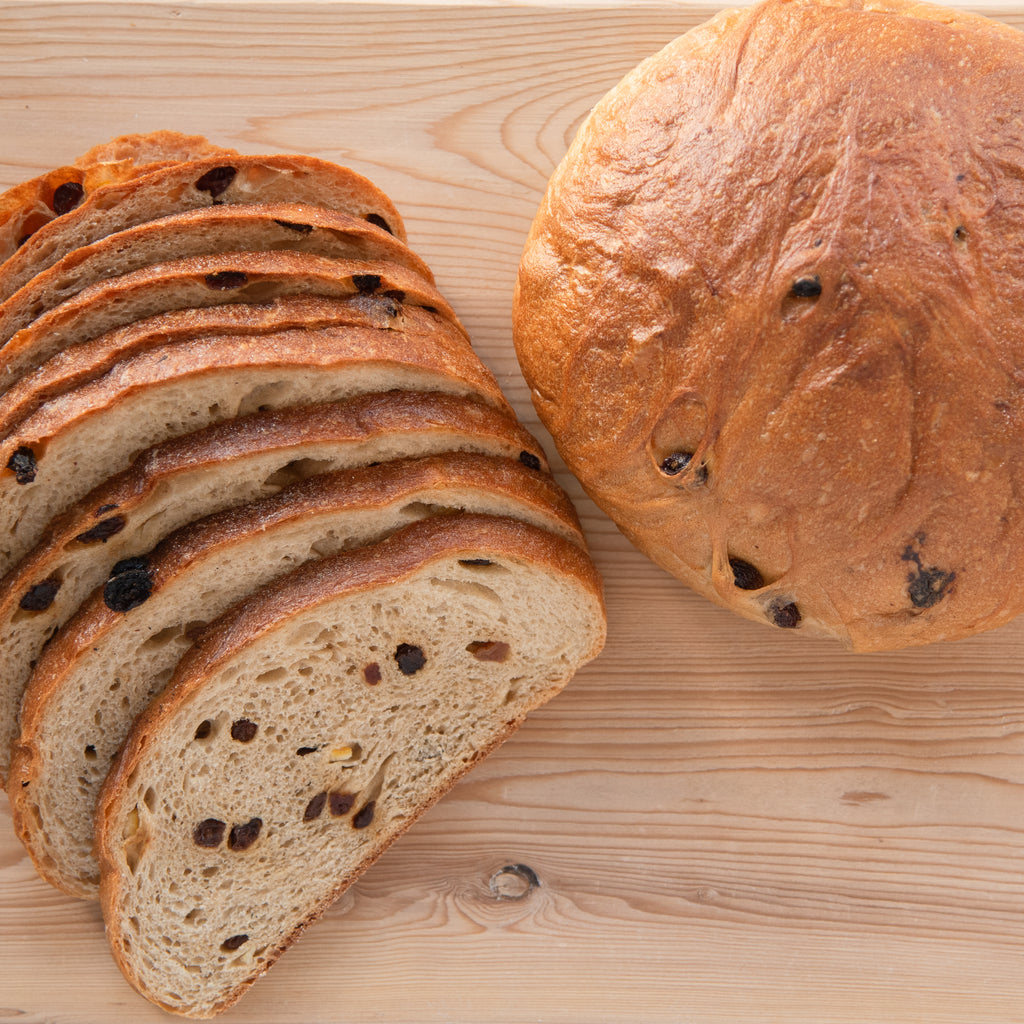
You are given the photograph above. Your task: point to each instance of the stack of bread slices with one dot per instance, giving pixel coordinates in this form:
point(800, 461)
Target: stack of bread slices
point(281, 564)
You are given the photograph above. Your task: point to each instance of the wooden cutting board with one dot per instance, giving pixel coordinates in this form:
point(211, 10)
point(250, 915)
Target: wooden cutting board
point(716, 822)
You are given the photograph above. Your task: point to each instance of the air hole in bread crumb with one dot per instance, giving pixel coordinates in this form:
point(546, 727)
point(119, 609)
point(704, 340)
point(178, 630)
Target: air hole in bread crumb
point(204, 729)
point(90, 753)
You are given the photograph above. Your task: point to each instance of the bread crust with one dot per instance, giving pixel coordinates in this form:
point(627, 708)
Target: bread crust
point(783, 248)
point(250, 277)
point(451, 481)
point(255, 447)
point(358, 571)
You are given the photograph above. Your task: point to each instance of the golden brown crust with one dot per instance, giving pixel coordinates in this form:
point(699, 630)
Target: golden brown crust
point(787, 246)
point(348, 573)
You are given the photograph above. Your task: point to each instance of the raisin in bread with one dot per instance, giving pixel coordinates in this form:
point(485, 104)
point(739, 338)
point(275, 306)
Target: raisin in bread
point(119, 649)
point(221, 178)
point(27, 207)
point(89, 360)
point(312, 725)
point(78, 439)
point(207, 281)
point(229, 464)
point(217, 229)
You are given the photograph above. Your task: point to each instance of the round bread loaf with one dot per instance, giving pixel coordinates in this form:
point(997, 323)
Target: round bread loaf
point(772, 312)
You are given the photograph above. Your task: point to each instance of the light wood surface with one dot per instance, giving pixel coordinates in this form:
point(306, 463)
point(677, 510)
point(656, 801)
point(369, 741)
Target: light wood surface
point(726, 824)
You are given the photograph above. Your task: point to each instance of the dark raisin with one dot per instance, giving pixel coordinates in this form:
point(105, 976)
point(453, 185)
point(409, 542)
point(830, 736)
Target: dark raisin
point(103, 531)
point(103, 510)
point(395, 294)
point(807, 287)
point(341, 804)
point(475, 561)
point(744, 575)
point(302, 229)
point(216, 181)
point(784, 614)
point(203, 729)
point(410, 659)
point(379, 221)
point(364, 816)
point(315, 807)
point(529, 460)
point(232, 943)
point(303, 751)
point(241, 837)
point(489, 650)
point(209, 833)
point(366, 283)
point(130, 585)
point(23, 464)
point(675, 463)
point(67, 196)
point(925, 586)
point(371, 673)
point(243, 730)
point(226, 280)
point(39, 597)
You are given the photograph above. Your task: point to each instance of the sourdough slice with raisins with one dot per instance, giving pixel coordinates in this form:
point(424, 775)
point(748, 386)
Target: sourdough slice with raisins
point(119, 649)
point(29, 206)
point(310, 726)
point(80, 438)
point(199, 281)
point(219, 178)
point(213, 230)
point(226, 465)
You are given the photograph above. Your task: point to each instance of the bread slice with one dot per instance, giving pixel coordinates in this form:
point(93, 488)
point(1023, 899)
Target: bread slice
point(116, 653)
point(223, 466)
point(89, 360)
point(313, 724)
point(208, 281)
point(216, 179)
point(27, 207)
point(216, 229)
point(79, 439)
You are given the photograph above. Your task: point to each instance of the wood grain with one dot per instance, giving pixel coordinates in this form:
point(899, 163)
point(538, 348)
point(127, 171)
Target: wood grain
point(726, 823)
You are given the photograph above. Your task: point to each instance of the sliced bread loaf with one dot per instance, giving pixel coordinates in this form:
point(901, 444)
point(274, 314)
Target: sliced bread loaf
point(221, 178)
point(217, 229)
point(118, 651)
point(217, 468)
point(208, 281)
point(312, 725)
point(89, 360)
point(79, 439)
point(27, 207)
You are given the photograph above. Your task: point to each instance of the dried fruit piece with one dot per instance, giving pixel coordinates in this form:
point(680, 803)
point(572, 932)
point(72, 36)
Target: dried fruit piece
point(410, 659)
point(23, 464)
point(67, 196)
point(364, 816)
point(203, 729)
point(371, 673)
point(216, 181)
point(226, 280)
point(744, 575)
point(784, 614)
point(130, 585)
point(529, 460)
point(103, 531)
point(379, 221)
point(341, 804)
point(366, 283)
point(234, 942)
point(209, 833)
point(807, 287)
point(39, 597)
point(241, 837)
point(243, 730)
point(315, 807)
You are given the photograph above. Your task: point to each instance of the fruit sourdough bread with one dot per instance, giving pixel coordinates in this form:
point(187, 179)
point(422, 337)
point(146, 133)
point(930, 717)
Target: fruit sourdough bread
point(90, 433)
point(218, 179)
point(199, 281)
point(218, 229)
point(226, 465)
point(116, 653)
point(26, 208)
point(312, 725)
point(770, 313)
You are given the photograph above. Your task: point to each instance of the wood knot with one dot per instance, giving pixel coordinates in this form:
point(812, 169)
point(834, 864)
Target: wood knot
point(513, 882)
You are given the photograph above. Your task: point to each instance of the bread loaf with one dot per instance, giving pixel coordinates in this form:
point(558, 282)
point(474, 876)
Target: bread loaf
point(80, 438)
point(118, 650)
point(263, 227)
point(224, 466)
point(251, 277)
point(311, 726)
point(769, 310)
point(215, 177)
